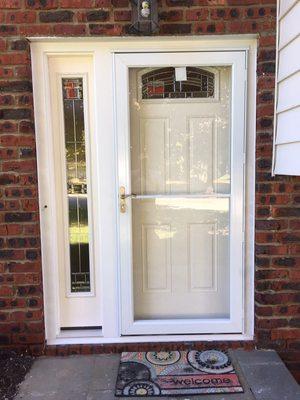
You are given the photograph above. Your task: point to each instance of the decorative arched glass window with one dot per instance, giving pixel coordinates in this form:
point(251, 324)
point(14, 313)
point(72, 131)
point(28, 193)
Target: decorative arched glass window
point(182, 82)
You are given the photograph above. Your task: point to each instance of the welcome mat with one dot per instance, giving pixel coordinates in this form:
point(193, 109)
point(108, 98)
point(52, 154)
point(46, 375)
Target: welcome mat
point(171, 373)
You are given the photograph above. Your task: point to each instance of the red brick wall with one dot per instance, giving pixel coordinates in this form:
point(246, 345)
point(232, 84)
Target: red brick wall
point(277, 224)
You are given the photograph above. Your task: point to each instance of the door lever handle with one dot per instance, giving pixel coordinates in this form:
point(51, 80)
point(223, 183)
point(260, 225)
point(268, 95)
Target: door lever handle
point(123, 197)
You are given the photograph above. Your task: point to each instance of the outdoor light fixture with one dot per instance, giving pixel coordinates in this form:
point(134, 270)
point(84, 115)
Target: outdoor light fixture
point(144, 17)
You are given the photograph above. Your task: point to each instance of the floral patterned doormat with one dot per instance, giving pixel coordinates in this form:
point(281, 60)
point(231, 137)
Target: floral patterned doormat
point(176, 373)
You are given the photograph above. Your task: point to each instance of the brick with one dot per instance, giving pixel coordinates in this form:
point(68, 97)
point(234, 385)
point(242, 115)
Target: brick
point(122, 15)
point(14, 229)
point(225, 13)
point(22, 242)
point(6, 291)
point(28, 338)
point(6, 100)
point(31, 229)
point(105, 29)
point(199, 14)
point(23, 71)
point(8, 179)
point(170, 16)
point(265, 41)
point(214, 27)
point(21, 165)
point(2, 44)
point(20, 17)
point(29, 205)
point(26, 279)
point(12, 205)
point(24, 267)
point(19, 44)
point(69, 30)
point(41, 4)
point(270, 323)
point(277, 298)
point(77, 4)
point(24, 100)
point(17, 140)
point(8, 4)
point(32, 254)
point(120, 3)
point(286, 212)
point(265, 82)
point(15, 86)
point(266, 68)
point(18, 217)
point(288, 310)
point(287, 333)
point(26, 127)
point(175, 28)
point(103, 3)
point(97, 15)
point(15, 113)
point(6, 72)
point(56, 16)
point(284, 261)
point(36, 30)
point(271, 249)
point(8, 30)
point(11, 254)
point(28, 179)
point(184, 3)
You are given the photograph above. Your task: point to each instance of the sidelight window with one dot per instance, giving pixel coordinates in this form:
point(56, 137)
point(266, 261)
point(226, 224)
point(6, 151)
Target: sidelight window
point(75, 150)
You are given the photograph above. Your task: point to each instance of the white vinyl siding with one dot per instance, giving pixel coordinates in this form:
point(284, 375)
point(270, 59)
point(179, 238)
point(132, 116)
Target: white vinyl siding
point(287, 108)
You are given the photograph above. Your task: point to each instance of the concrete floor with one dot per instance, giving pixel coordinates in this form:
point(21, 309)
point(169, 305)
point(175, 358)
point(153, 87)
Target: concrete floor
point(262, 374)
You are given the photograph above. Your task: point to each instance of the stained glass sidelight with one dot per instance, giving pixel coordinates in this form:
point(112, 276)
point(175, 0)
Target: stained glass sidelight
point(76, 184)
point(161, 83)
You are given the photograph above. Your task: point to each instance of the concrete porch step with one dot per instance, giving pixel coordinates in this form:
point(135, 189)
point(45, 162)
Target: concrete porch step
point(262, 373)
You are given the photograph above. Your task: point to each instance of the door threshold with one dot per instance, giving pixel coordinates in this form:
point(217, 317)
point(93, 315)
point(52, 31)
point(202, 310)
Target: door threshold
point(95, 337)
point(79, 333)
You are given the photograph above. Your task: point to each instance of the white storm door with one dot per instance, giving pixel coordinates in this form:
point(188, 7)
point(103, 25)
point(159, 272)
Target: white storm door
point(180, 128)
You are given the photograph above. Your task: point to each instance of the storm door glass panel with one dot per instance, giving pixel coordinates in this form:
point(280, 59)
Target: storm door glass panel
point(180, 175)
point(78, 229)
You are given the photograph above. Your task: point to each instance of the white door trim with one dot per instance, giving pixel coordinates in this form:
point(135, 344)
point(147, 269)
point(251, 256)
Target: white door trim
point(106, 214)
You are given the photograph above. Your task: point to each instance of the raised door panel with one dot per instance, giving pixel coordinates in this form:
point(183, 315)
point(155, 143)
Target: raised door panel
point(181, 258)
point(202, 256)
point(201, 154)
point(154, 155)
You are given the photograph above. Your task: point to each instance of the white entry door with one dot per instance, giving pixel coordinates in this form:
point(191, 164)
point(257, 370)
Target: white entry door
point(180, 124)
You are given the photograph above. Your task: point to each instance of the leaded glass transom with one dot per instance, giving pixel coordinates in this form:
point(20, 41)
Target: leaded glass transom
point(161, 83)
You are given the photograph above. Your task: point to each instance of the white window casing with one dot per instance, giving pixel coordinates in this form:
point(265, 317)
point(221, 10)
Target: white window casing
point(286, 160)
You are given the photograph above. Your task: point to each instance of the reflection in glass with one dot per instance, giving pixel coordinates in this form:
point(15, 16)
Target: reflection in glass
point(181, 146)
point(181, 258)
point(76, 184)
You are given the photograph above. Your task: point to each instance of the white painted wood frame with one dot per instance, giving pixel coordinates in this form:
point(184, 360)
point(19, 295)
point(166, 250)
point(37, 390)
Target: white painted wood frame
point(106, 208)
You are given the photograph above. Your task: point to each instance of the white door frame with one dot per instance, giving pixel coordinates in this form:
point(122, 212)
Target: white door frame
point(106, 210)
point(237, 61)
